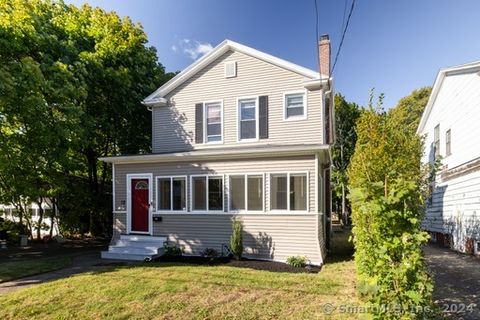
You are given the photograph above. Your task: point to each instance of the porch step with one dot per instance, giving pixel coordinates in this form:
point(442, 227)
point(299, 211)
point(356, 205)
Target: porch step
point(135, 248)
point(134, 237)
point(124, 256)
point(137, 244)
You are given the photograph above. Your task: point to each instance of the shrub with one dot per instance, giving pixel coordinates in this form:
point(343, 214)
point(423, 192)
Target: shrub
point(11, 231)
point(210, 253)
point(386, 183)
point(172, 250)
point(297, 261)
point(236, 240)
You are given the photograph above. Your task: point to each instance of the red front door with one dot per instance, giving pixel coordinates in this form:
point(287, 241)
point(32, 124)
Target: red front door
point(140, 205)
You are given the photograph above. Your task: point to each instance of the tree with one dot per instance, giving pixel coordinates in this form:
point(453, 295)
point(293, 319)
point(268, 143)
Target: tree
point(409, 109)
point(346, 116)
point(72, 82)
point(386, 191)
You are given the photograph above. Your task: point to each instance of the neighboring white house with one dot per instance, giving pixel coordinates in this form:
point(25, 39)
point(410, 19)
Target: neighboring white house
point(450, 124)
point(239, 134)
point(9, 212)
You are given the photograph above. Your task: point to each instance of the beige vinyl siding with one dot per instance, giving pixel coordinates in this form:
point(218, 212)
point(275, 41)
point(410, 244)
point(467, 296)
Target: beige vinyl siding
point(265, 236)
point(174, 126)
point(261, 165)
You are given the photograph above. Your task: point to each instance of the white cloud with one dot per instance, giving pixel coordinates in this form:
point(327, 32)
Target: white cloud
point(193, 48)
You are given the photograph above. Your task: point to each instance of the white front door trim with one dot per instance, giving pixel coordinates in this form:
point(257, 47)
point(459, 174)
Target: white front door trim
point(148, 176)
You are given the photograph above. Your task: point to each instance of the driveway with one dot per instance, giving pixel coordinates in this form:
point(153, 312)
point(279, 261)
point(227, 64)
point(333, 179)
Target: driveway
point(457, 282)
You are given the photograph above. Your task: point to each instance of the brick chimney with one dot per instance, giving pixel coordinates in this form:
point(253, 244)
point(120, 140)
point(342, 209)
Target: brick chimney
point(324, 51)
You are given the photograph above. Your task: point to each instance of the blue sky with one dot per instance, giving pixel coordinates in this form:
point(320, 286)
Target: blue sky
point(393, 46)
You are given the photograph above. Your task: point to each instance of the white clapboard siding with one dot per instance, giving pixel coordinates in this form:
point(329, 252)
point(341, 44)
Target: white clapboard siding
point(457, 107)
point(174, 126)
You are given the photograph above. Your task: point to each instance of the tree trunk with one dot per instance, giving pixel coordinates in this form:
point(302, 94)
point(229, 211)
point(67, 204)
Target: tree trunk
point(344, 211)
point(53, 217)
point(40, 219)
point(93, 181)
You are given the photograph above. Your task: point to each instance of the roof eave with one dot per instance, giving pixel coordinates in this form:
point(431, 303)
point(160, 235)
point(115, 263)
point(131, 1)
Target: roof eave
point(436, 88)
point(212, 154)
point(218, 51)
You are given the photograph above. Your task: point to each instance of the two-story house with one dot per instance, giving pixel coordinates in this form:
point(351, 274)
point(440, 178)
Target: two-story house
point(452, 137)
point(238, 134)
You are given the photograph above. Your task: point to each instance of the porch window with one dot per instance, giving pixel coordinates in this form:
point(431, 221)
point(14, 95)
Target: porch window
point(213, 121)
point(298, 192)
point(207, 193)
point(246, 191)
point(289, 191)
point(171, 194)
point(248, 119)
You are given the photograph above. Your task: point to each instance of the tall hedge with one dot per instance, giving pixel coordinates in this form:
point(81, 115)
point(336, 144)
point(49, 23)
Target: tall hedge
point(386, 193)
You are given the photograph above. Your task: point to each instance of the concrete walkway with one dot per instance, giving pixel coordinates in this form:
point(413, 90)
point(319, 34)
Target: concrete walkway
point(81, 263)
point(457, 281)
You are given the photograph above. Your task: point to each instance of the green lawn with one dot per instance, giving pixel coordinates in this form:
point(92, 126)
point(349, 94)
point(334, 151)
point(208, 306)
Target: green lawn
point(25, 267)
point(167, 291)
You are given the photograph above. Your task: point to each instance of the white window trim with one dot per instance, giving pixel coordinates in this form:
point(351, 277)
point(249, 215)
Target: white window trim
point(222, 176)
point(205, 136)
point(289, 173)
point(157, 209)
point(235, 65)
point(257, 116)
point(245, 175)
point(305, 105)
point(131, 176)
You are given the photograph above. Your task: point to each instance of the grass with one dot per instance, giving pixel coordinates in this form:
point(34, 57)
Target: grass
point(25, 267)
point(180, 291)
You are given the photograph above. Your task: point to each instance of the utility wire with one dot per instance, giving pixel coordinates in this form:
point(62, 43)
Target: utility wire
point(343, 36)
point(344, 14)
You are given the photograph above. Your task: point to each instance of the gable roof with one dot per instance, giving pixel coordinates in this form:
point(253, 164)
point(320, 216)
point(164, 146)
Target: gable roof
point(158, 96)
point(463, 68)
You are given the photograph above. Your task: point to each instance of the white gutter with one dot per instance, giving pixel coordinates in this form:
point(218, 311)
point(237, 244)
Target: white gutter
point(215, 154)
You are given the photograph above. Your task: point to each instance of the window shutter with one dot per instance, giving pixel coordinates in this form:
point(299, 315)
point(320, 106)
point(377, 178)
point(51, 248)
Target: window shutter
point(199, 123)
point(263, 117)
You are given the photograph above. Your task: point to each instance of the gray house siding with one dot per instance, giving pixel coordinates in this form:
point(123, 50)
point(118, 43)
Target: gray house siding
point(261, 165)
point(174, 126)
point(267, 235)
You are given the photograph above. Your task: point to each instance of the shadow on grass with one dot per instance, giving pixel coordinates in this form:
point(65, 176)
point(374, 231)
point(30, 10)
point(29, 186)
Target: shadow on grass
point(341, 248)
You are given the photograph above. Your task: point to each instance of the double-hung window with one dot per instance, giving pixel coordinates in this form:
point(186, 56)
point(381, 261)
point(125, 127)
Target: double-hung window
point(171, 193)
point(448, 142)
point(207, 193)
point(213, 121)
point(289, 191)
point(246, 192)
point(247, 119)
point(295, 106)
